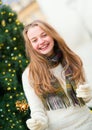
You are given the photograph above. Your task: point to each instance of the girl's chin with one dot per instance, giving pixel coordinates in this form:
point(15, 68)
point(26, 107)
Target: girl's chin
point(46, 52)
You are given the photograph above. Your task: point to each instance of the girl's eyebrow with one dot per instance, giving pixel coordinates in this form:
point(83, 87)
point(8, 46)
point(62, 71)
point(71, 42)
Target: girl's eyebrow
point(35, 37)
point(42, 32)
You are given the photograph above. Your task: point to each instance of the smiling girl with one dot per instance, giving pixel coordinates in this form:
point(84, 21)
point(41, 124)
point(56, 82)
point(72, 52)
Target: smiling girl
point(54, 82)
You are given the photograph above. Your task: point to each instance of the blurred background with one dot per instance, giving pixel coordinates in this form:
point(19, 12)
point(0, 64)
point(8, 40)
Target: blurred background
point(71, 18)
point(27, 11)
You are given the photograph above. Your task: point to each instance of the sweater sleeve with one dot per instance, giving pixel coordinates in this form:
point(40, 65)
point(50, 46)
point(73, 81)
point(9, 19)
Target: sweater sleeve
point(38, 114)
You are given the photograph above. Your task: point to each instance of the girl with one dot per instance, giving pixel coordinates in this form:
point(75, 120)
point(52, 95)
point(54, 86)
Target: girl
point(54, 82)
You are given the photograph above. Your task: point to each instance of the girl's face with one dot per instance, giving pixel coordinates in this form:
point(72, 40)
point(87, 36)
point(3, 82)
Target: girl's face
point(41, 41)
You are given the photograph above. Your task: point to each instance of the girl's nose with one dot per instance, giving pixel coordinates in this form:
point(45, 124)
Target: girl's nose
point(41, 41)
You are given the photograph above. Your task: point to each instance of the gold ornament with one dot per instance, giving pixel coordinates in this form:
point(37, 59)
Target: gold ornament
point(21, 105)
point(0, 2)
point(3, 23)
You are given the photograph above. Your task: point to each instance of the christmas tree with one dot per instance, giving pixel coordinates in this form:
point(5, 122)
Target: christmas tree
point(14, 110)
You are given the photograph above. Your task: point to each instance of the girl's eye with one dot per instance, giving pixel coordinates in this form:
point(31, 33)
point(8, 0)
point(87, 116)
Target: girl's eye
point(34, 40)
point(44, 35)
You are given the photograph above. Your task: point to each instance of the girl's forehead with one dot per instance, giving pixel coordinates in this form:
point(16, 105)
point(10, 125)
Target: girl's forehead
point(34, 31)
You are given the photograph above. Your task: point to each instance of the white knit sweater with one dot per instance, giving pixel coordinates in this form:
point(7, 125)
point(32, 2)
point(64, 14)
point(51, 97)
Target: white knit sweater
point(72, 118)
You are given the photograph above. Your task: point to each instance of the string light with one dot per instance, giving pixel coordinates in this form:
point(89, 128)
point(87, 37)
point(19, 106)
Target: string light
point(10, 121)
point(9, 110)
point(15, 28)
point(8, 89)
point(14, 39)
point(19, 55)
point(6, 79)
point(7, 105)
point(9, 19)
point(15, 48)
point(12, 75)
point(3, 73)
point(6, 30)
point(20, 61)
point(14, 88)
point(8, 84)
point(10, 80)
point(12, 54)
point(10, 97)
point(27, 61)
point(6, 61)
point(7, 119)
point(9, 64)
point(13, 113)
point(14, 71)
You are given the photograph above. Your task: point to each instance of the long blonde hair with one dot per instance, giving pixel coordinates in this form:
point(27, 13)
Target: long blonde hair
point(39, 69)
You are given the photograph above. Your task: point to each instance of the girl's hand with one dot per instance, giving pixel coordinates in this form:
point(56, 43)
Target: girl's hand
point(34, 124)
point(84, 91)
